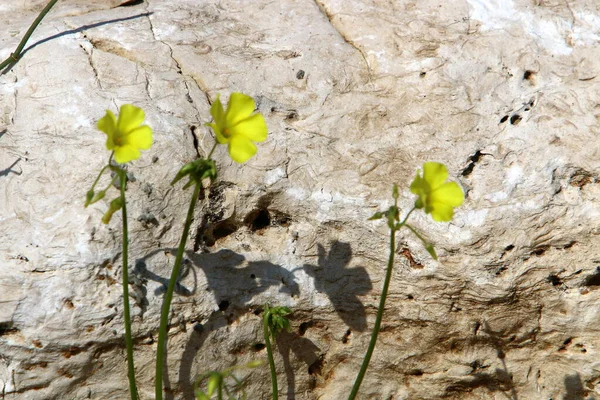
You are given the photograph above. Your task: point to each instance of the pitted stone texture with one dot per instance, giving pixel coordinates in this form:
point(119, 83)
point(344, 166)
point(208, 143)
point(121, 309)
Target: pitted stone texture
point(357, 95)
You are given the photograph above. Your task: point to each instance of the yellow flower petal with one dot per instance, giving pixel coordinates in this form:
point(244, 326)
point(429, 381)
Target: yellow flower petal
point(418, 185)
point(441, 212)
point(241, 148)
point(108, 125)
point(126, 153)
point(449, 193)
point(239, 107)
point(218, 114)
point(434, 174)
point(140, 137)
point(130, 117)
point(253, 127)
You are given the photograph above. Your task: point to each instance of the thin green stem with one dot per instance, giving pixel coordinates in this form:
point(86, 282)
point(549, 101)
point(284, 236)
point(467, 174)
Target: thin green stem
point(384, 292)
point(407, 215)
point(98, 177)
point(417, 234)
point(14, 56)
point(164, 316)
point(126, 312)
point(270, 355)
point(211, 151)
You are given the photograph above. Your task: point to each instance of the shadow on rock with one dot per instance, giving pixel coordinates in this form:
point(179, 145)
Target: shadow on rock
point(574, 388)
point(342, 285)
point(304, 350)
point(226, 279)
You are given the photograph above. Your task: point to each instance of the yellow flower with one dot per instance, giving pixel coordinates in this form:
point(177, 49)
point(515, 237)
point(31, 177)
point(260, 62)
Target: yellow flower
point(126, 136)
point(437, 196)
point(237, 126)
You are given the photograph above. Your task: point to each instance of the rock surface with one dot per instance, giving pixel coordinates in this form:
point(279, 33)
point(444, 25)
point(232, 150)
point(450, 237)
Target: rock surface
point(357, 95)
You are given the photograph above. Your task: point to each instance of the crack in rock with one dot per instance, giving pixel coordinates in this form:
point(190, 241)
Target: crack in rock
point(329, 17)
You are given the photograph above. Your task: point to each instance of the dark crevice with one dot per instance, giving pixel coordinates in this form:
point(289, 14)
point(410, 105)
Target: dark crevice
point(473, 159)
point(131, 3)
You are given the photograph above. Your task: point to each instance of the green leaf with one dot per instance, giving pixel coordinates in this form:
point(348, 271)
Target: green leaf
point(395, 192)
point(377, 215)
point(185, 170)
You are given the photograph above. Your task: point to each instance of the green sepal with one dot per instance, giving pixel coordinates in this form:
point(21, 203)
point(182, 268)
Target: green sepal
point(114, 206)
point(395, 192)
point(88, 197)
point(98, 197)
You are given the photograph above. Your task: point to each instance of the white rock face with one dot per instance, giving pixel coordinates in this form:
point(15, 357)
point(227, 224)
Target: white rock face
point(357, 95)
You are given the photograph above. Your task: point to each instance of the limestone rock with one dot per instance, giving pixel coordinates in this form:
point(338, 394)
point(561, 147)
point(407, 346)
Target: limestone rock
point(357, 96)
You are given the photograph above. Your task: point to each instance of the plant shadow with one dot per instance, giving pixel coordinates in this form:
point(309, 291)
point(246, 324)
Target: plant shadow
point(10, 170)
point(232, 284)
point(9, 67)
point(341, 284)
point(304, 350)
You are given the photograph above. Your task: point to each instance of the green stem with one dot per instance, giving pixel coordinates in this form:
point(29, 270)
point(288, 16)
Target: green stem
point(98, 177)
point(270, 355)
point(417, 234)
point(406, 218)
point(384, 292)
point(127, 316)
point(164, 316)
point(14, 56)
point(211, 151)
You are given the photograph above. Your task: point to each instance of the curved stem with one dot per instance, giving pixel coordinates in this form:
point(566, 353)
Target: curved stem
point(384, 292)
point(164, 315)
point(270, 355)
point(126, 312)
point(14, 56)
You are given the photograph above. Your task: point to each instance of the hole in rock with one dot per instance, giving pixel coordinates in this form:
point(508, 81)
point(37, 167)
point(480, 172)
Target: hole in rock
point(259, 346)
point(346, 336)
point(504, 119)
point(593, 280)
point(258, 219)
point(554, 280)
point(304, 327)
point(415, 372)
point(515, 119)
point(528, 75)
point(224, 305)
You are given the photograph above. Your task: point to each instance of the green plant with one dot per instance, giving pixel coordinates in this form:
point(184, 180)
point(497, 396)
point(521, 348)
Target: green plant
point(436, 197)
point(216, 383)
point(274, 321)
point(237, 127)
point(125, 136)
